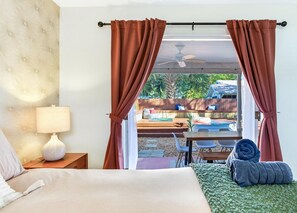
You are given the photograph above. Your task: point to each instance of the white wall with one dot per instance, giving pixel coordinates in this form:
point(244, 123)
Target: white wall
point(85, 65)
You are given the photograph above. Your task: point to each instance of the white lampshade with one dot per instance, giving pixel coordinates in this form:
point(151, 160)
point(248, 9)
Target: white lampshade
point(52, 120)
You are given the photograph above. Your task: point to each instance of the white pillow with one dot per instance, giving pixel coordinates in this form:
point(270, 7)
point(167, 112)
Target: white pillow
point(7, 194)
point(147, 112)
point(10, 165)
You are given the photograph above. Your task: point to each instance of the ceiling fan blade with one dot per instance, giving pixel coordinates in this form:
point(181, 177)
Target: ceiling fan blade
point(181, 63)
point(187, 57)
point(166, 62)
point(196, 61)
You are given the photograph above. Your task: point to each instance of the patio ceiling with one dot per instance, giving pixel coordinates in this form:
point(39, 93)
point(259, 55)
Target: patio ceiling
point(207, 55)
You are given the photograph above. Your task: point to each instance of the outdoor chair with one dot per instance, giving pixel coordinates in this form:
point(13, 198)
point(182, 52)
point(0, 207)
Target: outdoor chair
point(203, 146)
point(181, 150)
point(226, 145)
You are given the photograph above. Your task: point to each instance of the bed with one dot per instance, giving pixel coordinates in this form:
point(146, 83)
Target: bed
point(199, 188)
point(140, 191)
point(95, 190)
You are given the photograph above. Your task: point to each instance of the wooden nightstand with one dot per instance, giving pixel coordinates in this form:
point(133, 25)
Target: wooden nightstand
point(70, 161)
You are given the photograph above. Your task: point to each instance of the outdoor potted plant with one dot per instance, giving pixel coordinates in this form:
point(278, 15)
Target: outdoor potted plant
point(190, 122)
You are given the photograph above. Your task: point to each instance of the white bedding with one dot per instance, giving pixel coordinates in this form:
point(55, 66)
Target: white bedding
point(124, 191)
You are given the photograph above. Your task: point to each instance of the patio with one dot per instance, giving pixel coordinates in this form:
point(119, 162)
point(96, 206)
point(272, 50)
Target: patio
point(156, 145)
point(161, 152)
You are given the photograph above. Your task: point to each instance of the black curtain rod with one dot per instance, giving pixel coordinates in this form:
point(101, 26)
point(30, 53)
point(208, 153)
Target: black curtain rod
point(283, 23)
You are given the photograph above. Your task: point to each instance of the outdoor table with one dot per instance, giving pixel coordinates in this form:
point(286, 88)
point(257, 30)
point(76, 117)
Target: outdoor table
point(196, 136)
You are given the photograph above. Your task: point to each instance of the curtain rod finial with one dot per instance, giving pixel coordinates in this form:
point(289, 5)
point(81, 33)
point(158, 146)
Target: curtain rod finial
point(100, 24)
point(284, 23)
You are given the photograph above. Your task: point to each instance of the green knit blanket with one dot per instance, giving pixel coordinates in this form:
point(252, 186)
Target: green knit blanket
point(224, 195)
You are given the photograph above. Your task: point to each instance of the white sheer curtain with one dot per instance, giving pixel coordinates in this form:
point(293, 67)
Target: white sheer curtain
point(249, 123)
point(130, 141)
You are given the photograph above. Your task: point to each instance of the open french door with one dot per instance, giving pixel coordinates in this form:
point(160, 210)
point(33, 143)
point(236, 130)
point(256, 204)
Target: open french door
point(249, 108)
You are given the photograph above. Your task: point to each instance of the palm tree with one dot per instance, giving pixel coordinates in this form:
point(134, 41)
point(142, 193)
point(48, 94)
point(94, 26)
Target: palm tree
point(170, 85)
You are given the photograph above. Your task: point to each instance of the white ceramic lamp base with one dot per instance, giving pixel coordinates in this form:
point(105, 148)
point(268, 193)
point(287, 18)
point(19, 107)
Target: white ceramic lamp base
point(54, 149)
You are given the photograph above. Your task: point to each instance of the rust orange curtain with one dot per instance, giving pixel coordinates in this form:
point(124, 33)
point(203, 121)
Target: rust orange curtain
point(134, 48)
point(254, 42)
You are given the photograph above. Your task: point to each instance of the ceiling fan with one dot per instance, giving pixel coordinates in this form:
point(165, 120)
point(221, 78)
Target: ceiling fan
point(181, 58)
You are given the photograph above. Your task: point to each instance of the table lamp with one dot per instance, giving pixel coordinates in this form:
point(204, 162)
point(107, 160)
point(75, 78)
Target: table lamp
point(53, 120)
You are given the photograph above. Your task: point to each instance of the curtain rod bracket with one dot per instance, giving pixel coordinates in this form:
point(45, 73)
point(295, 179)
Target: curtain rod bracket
point(193, 25)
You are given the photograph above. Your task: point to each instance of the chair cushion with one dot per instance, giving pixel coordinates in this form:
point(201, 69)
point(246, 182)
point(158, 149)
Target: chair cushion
point(205, 144)
point(227, 143)
point(186, 149)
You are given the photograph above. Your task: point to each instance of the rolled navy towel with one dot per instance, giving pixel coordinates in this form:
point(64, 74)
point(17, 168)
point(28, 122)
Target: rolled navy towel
point(247, 173)
point(244, 149)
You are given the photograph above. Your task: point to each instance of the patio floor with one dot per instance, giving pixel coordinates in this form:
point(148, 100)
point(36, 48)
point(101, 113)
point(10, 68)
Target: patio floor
point(156, 163)
point(152, 147)
point(159, 153)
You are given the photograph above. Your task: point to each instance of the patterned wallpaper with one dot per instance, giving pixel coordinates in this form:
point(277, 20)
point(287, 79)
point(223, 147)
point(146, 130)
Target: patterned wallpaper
point(29, 70)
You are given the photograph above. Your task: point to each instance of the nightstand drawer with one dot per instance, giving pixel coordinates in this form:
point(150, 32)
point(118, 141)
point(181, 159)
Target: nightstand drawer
point(79, 164)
